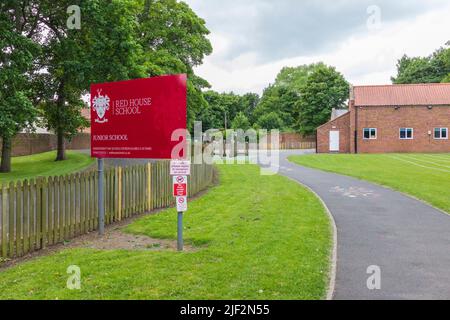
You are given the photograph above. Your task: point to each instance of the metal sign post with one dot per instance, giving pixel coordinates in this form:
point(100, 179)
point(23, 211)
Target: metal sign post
point(181, 208)
point(180, 232)
point(101, 207)
point(180, 169)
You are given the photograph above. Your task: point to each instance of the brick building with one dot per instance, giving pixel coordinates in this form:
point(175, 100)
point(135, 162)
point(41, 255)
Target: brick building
point(390, 118)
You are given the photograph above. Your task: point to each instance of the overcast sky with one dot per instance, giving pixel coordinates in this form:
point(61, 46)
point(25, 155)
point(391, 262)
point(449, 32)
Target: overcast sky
point(363, 39)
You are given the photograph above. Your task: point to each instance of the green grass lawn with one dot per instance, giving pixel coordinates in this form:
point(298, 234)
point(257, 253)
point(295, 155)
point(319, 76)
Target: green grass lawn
point(43, 164)
point(425, 176)
point(256, 237)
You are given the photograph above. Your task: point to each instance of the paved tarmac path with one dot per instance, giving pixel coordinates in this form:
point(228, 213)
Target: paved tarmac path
point(376, 226)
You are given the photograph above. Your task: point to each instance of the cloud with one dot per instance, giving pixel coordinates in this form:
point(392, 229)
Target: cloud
point(254, 39)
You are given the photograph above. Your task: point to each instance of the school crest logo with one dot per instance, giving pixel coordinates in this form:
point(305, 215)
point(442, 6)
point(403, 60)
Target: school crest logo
point(100, 103)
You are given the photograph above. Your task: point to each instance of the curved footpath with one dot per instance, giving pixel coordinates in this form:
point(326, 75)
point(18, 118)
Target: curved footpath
point(376, 226)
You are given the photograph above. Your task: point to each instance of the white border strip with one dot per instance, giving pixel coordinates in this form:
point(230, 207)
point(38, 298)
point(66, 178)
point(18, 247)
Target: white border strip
point(418, 164)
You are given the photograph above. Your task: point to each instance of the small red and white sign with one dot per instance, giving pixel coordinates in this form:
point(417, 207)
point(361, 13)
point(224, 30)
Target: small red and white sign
point(181, 204)
point(179, 186)
point(180, 168)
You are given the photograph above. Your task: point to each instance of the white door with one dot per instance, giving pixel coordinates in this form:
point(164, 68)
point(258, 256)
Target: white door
point(334, 141)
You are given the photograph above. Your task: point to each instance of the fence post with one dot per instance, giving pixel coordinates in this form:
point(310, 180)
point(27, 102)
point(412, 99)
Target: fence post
point(12, 213)
point(19, 217)
point(42, 194)
point(26, 215)
point(4, 226)
point(101, 208)
point(51, 206)
point(119, 193)
point(149, 186)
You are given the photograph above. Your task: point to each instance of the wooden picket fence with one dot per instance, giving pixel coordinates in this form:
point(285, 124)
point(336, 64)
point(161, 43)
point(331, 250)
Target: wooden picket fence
point(297, 145)
point(303, 145)
point(42, 212)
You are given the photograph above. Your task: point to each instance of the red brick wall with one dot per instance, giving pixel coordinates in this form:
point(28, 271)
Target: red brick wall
point(388, 122)
point(25, 144)
point(341, 124)
point(79, 142)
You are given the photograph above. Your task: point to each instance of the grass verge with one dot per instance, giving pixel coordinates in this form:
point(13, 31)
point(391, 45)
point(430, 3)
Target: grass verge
point(424, 176)
point(254, 237)
point(44, 164)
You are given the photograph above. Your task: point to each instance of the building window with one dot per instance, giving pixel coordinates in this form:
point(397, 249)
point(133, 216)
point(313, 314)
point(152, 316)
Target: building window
point(406, 133)
point(370, 133)
point(441, 133)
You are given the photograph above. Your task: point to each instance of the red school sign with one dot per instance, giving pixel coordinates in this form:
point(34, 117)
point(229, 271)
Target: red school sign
point(136, 118)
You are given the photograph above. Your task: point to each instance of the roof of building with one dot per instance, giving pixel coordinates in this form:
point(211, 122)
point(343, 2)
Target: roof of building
point(403, 95)
point(346, 114)
point(336, 113)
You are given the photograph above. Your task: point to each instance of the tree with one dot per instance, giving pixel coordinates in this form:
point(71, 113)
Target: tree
point(282, 96)
point(118, 40)
point(213, 116)
point(105, 49)
point(270, 102)
point(419, 70)
point(174, 40)
point(325, 89)
point(270, 121)
point(221, 110)
point(432, 69)
point(241, 122)
point(445, 56)
point(295, 78)
point(249, 102)
point(17, 62)
point(446, 79)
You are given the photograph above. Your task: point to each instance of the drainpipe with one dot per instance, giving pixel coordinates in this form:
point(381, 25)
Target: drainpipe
point(352, 106)
point(356, 130)
point(317, 142)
